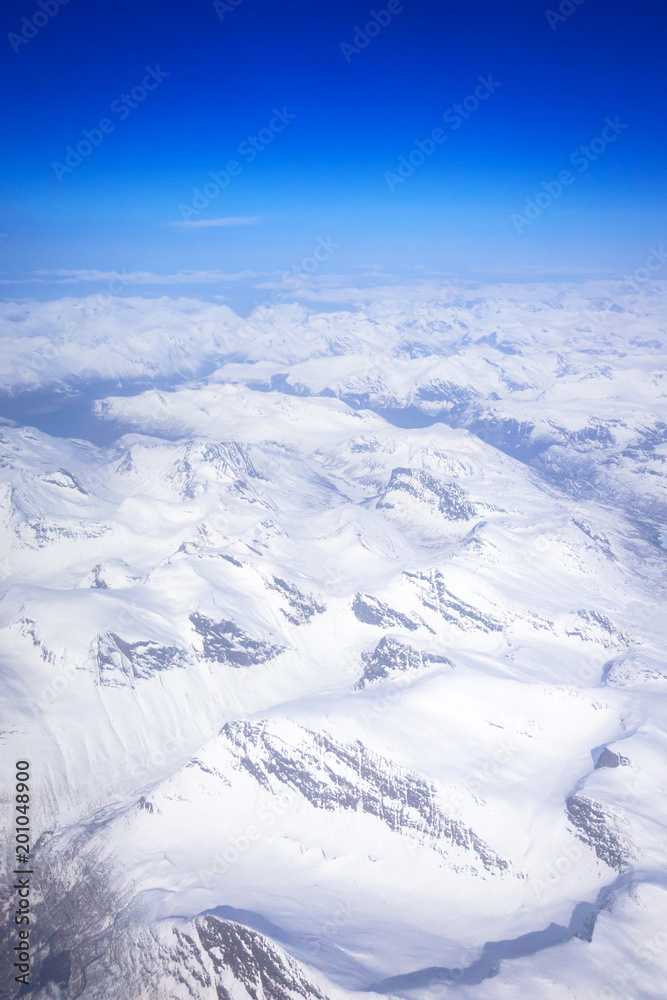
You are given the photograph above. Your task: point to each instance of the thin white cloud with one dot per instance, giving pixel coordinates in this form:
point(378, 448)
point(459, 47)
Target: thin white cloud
point(234, 220)
point(345, 288)
point(282, 286)
point(65, 276)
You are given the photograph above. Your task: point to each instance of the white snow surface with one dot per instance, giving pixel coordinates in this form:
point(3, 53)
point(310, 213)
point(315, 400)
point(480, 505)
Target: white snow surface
point(354, 631)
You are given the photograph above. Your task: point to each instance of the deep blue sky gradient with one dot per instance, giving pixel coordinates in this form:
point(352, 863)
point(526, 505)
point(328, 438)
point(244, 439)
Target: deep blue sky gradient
point(324, 175)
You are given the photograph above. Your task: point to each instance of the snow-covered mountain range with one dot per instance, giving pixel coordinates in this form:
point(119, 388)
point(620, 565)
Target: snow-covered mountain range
point(337, 643)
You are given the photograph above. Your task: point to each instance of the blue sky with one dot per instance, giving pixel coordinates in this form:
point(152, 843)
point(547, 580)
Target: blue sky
point(336, 118)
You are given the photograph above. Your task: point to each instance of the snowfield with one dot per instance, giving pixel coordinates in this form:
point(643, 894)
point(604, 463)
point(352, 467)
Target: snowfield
point(341, 662)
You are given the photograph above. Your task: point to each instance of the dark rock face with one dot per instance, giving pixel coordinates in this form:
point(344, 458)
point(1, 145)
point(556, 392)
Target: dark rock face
point(600, 627)
point(120, 662)
point(369, 610)
point(610, 759)
point(66, 480)
point(598, 538)
point(28, 629)
point(201, 959)
point(89, 942)
point(38, 532)
point(302, 607)
point(633, 668)
point(392, 656)
point(265, 971)
point(98, 583)
point(448, 498)
point(225, 642)
point(595, 827)
point(349, 776)
point(197, 461)
point(442, 391)
point(435, 595)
